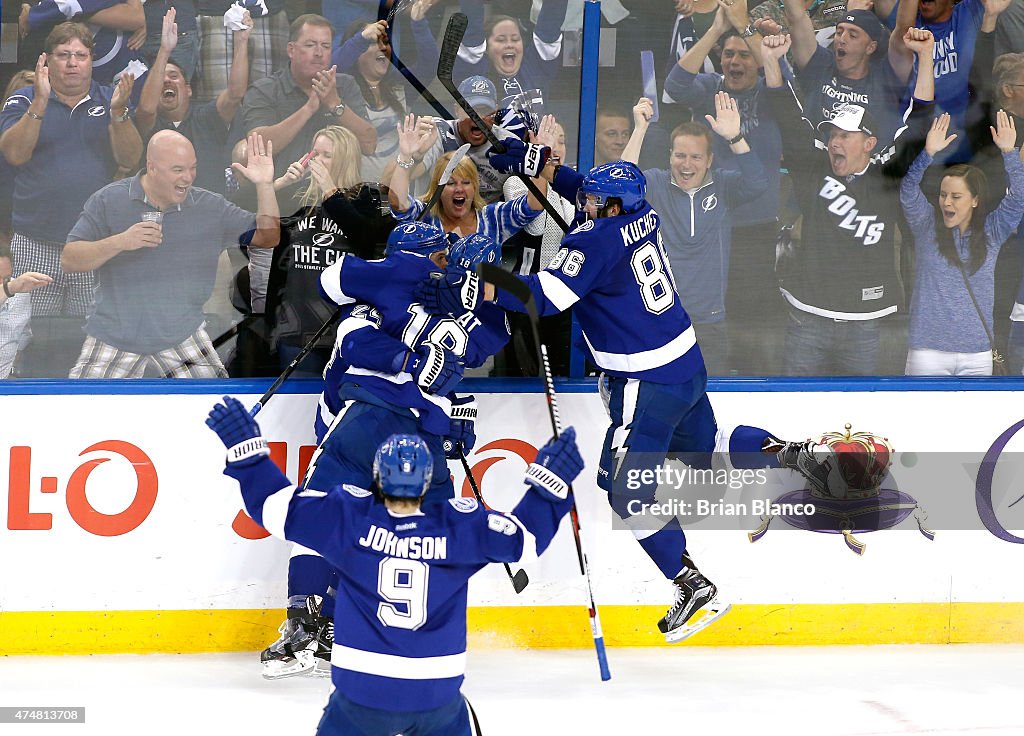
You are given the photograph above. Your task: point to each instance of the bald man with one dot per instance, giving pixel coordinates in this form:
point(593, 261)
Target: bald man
point(153, 241)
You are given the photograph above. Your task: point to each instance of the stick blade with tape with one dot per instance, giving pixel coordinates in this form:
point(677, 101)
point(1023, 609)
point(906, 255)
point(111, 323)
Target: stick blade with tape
point(453, 35)
point(460, 153)
point(650, 81)
point(520, 580)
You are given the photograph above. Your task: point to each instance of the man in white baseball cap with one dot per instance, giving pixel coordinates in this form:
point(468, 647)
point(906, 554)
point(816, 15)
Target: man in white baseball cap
point(852, 137)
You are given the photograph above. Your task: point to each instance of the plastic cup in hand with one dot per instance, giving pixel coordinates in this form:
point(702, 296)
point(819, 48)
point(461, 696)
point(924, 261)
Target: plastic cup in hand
point(153, 216)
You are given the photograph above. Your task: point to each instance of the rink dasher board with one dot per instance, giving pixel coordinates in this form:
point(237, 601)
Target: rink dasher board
point(112, 563)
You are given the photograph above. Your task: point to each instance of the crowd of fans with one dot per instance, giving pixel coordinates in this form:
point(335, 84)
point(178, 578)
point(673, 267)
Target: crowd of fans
point(175, 174)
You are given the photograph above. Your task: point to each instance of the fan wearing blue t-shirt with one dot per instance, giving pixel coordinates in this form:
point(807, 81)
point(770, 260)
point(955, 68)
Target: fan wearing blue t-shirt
point(955, 28)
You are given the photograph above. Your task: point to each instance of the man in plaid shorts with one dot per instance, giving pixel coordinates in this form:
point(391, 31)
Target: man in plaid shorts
point(153, 241)
point(66, 135)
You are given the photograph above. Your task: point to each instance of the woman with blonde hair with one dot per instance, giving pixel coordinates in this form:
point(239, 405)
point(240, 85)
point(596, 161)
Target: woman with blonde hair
point(335, 217)
point(460, 210)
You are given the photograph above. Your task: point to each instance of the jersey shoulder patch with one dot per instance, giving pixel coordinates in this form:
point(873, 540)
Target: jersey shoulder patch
point(583, 227)
point(356, 490)
point(365, 311)
point(464, 505)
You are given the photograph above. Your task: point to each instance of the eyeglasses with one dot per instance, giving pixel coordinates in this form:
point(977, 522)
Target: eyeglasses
point(66, 56)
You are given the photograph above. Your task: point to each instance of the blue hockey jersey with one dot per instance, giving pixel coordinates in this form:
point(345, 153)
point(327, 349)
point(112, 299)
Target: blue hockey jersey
point(401, 599)
point(615, 270)
point(362, 357)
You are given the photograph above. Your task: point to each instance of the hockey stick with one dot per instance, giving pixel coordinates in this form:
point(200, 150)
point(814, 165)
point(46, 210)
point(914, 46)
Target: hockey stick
point(502, 279)
point(384, 14)
point(445, 65)
point(519, 579)
point(295, 362)
point(446, 175)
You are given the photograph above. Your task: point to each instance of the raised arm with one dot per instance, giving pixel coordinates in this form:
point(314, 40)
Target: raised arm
point(125, 16)
point(918, 211)
point(149, 100)
point(1004, 219)
point(408, 142)
point(18, 142)
point(643, 110)
point(901, 57)
point(739, 18)
point(922, 44)
point(259, 170)
point(693, 60)
point(801, 30)
point(230, 99)
point(125, 141)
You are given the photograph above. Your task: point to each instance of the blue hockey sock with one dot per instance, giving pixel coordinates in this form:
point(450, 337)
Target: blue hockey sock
point(745, 448)
point(308, 575)
point(327, 609)
point(666, 548)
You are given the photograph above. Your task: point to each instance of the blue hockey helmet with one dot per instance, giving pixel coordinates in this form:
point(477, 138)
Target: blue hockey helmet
point(403, 466)
point(469, 252)
point(416, 237)
point(620, 179)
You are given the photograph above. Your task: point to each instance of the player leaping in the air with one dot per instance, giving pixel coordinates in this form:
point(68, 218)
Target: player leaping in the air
point(394, 369)
point(613, 269)
point(399, 654)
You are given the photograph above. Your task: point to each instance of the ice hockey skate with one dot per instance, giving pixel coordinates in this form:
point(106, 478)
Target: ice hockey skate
point(294, 652)
point(818, 463)
point(324, 645)
point(696, 607)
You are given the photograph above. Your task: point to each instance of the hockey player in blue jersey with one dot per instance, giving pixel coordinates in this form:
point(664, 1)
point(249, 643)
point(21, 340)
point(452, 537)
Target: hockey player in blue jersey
point(404, 567)
point(378, 379)
point(614, 269)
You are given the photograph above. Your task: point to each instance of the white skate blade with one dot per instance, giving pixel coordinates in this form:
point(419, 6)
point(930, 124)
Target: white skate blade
point(713, 611)
point(278, 669)
point(321, 668)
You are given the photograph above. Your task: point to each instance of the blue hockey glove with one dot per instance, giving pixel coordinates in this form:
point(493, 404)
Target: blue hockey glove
point(238, 431)
point(435, 370)
point(450, 293)
point(462, 434)
point(517, 121)
point(557, 465)
point(520, 158)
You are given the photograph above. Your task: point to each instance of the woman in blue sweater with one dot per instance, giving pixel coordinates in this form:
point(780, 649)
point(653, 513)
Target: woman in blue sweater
point(947, 336)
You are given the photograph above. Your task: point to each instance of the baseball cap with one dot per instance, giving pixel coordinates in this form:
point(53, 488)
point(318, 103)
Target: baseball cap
point(479, 92)
point(853, 119)
point(867, 21)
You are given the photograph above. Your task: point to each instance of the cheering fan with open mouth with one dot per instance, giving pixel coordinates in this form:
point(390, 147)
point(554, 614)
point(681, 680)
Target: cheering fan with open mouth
point(366, 53)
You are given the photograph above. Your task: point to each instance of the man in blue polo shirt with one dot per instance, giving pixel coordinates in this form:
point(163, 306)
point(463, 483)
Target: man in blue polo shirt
point(66, 135)
point(154, 241)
